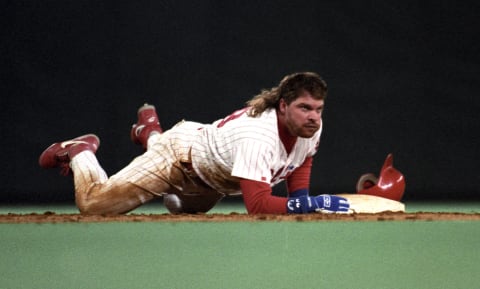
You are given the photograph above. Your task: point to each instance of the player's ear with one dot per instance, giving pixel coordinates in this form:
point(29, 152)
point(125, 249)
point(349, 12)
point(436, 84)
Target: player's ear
point(282, 105)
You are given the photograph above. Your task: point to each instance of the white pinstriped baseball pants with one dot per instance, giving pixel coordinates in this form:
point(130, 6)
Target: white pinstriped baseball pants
point(160, 170)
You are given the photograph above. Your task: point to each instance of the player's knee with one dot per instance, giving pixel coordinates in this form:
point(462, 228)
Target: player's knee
point(190, 204)
point(88, 209)
point(173, 203)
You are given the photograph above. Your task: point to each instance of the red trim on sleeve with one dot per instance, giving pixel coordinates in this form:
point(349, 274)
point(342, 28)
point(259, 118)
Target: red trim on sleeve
point(258, 198)
point(300, 178)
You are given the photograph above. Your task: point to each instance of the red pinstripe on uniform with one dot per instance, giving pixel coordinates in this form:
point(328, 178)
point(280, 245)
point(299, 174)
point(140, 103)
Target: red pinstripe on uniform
point(246, 147)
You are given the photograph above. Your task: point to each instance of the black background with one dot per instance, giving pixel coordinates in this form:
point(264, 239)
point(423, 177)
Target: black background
point(403, 79)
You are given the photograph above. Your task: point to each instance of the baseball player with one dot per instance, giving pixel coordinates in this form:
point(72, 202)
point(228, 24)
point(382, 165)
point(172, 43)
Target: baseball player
point(194, 165)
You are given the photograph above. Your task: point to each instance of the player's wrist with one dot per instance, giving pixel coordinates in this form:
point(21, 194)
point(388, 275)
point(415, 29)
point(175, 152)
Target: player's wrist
point(300, 205)
point(298, 193)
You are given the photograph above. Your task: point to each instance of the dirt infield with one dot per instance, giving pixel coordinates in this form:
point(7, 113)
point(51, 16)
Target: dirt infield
point(51, 217)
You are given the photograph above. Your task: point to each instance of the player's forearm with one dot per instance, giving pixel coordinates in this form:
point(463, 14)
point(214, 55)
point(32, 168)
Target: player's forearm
point(300, 178)
point(267, 205)
point(258, 198)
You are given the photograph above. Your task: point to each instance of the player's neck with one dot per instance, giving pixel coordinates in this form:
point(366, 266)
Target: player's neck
point(286, 138)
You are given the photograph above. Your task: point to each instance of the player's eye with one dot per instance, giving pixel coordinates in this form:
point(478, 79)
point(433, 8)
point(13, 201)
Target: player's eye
point(305, 107)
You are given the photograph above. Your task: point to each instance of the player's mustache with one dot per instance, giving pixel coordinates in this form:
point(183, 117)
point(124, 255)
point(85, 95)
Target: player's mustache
point(312, 124)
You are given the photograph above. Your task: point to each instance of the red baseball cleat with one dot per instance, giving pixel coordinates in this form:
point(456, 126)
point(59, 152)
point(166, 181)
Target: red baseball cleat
point(59, 154)
point(147, 123)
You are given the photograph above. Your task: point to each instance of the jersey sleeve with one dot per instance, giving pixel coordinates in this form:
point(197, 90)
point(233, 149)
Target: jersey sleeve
point(300, 178)
point(251, 160)
point(258, 198)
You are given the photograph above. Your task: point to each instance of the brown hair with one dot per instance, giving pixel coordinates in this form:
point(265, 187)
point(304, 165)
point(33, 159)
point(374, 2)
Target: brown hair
point(289, 89)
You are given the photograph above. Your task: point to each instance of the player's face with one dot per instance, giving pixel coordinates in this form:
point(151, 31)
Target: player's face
point(303, 116)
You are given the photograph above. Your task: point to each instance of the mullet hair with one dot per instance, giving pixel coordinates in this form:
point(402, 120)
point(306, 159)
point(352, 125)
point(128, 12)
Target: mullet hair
point(289, 89)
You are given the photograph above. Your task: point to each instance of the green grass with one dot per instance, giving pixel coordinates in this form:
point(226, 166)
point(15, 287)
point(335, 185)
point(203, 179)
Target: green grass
point(241, 255)
point(411, 254)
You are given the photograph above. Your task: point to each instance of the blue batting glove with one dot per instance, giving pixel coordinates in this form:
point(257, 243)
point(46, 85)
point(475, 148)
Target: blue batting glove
point(331, 204)
point(321, 203)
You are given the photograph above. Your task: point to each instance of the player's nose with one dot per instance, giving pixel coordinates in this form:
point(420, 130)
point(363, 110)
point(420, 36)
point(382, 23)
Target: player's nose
point(314, 116)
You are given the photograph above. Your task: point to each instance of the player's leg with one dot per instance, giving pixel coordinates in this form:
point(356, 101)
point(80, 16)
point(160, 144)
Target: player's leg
point(95, 193)
point(146, 132)
point(194, 196)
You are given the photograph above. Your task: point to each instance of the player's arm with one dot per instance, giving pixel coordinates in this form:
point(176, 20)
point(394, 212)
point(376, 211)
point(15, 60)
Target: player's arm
point(258, 199)
point(299, 181)
point(299, 201)
point(257, 194)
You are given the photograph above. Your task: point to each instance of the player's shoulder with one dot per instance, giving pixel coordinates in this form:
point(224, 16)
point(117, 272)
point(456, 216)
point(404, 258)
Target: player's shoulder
point(266, 119)
point(263, 123)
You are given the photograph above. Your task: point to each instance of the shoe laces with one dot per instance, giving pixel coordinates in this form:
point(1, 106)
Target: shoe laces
point(64, 169)
point(64, 164)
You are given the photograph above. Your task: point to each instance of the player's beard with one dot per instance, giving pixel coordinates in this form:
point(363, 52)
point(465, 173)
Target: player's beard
point(306, 130)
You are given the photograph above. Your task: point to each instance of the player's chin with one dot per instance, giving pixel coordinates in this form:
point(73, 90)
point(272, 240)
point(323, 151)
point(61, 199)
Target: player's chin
point(308, 131)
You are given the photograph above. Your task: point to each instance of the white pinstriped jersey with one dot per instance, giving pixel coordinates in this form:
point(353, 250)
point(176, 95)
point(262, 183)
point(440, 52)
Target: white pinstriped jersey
point(240, 146)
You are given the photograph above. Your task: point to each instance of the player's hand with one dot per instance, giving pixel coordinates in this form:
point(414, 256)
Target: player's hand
point(322, 203)
point(331, 204)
